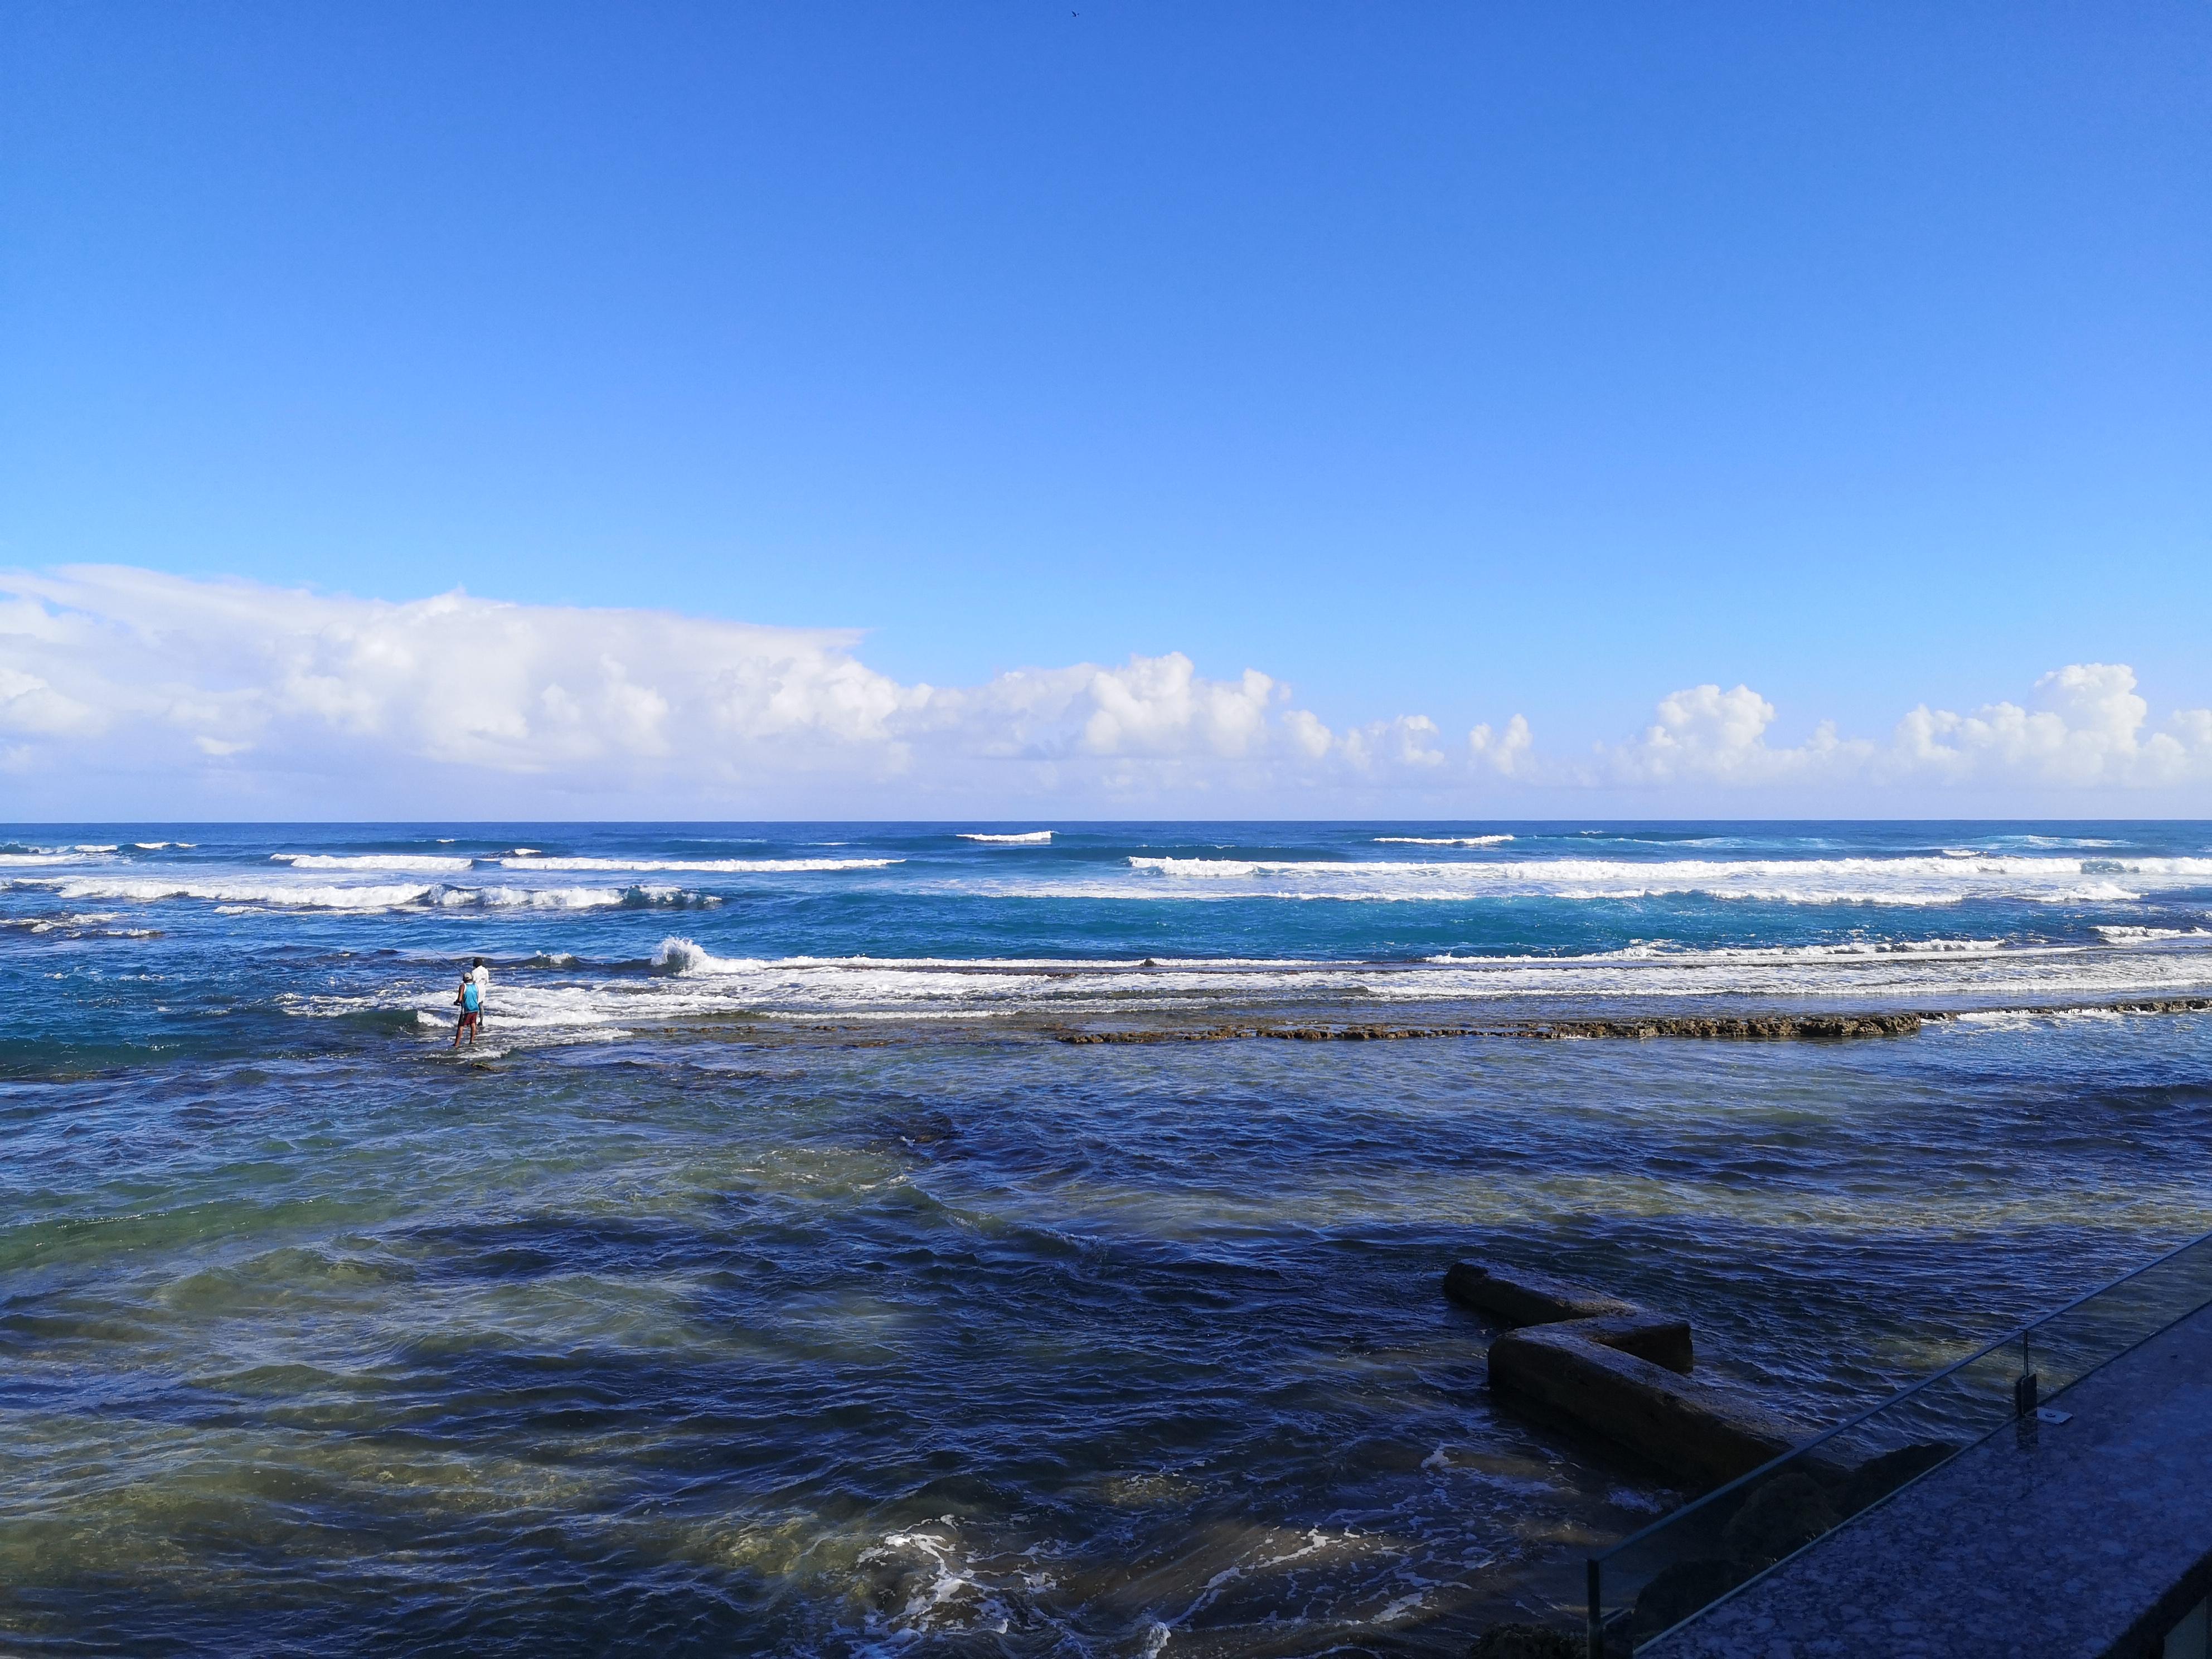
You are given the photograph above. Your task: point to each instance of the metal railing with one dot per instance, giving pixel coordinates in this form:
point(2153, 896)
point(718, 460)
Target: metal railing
point(1677, 1566)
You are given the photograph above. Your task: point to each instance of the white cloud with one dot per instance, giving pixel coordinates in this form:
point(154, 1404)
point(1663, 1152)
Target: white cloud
point(238, 681)
point(28, 704)
point(231, 696)
point(1703, 734)
point(1502, 752)
point(317, 682)
point(2089, 730)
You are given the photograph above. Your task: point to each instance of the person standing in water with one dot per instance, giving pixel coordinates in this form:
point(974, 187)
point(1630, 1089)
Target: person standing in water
point(469, 999)
point(481, 975)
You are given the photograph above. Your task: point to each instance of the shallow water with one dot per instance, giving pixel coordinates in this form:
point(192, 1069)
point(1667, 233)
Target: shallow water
point(630, 1333)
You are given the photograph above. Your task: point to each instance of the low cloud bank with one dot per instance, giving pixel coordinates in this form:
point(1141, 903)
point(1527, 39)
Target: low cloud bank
point(2086, 729)
point(225, 693)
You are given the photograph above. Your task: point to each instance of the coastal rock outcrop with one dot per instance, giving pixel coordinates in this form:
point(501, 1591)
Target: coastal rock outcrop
point(1749, 1027)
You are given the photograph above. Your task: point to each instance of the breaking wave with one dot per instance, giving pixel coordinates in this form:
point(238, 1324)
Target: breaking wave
point(703, 867)
point(1441, 841)
point(688, 979)
point(394, 863)
point(306, 895)
point(1911, 880)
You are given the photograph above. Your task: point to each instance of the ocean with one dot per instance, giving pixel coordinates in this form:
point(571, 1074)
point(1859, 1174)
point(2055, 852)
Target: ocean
point(773, 1276)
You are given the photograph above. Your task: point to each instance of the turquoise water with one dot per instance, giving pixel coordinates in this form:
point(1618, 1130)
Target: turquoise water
point(736, 1295)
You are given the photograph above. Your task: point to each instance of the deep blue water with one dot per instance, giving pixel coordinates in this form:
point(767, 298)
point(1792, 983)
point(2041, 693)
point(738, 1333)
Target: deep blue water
point(768, 1281)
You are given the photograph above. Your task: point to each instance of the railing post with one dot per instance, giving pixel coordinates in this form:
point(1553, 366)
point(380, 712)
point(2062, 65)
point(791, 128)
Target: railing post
point(2025, 1388)
point(1594, 1583)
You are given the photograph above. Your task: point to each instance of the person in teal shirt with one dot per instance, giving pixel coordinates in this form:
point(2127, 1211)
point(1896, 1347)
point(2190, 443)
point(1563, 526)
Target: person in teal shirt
point(469, 999)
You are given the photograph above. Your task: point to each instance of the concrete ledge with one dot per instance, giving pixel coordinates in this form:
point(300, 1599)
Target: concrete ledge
point(1619, 1370)
point(1519, 1295)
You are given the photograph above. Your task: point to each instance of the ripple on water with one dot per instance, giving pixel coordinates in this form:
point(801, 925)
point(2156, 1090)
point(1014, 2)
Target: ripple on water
point(963, 1347)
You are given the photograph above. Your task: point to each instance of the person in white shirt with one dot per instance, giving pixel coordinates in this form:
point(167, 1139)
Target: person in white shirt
point(481, 975)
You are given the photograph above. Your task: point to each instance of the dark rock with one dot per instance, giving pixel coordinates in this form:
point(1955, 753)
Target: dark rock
point(1878, 1477)
point(1758, 1028)
point(925, 1129)
point(1677, 1592)
point(1780, 1518)
point(1526, 1641)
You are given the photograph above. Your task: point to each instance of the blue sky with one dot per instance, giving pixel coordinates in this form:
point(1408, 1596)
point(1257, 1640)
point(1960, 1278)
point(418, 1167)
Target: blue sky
point(1459, 361)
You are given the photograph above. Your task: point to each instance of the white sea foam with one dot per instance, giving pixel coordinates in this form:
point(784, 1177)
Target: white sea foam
point(682, 956)
point(549, 1001)
point(1441, 841)
point(76, 924)
point(561, 898)
point(706, 866)
point(1907, 881)
point(45, 859)
point(304, 896)
point(391, 863)
point(1027, 838)
point(157, 846)
point(1833, 951)
point(2021, 1019)
point(2121, 935)
point(364, 896)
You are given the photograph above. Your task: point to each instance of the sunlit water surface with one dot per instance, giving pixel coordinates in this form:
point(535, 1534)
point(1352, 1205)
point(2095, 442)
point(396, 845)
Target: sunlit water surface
point(632, 1332)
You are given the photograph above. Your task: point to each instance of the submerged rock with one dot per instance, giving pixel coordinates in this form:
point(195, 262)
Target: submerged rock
point(1677, 1592)
point(1780, 1518)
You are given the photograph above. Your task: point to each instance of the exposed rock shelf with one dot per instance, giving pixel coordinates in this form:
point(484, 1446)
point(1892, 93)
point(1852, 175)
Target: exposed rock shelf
point(1756, 1028)
point(1746, 1028)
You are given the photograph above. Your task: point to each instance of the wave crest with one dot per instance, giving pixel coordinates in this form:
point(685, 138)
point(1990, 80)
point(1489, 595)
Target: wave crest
point(1908, 880)
point(701, 866)
point(426, 864)
point(1441, 841)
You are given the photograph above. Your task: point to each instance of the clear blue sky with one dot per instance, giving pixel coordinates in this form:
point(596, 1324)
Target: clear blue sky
point(1469, 358)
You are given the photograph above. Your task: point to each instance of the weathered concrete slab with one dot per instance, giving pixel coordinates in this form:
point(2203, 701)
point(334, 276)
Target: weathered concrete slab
point(1619, 1369)
point(1519, 1295)
point(1684, 1425)
point(2081, 1540)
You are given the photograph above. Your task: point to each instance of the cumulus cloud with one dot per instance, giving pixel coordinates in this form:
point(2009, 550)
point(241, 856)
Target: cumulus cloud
point(29, 705)
point(320, 683)
point(2088, 729)
point(1505, 752)
point(1703, 734)
point(241, 698)
point(166, 674)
